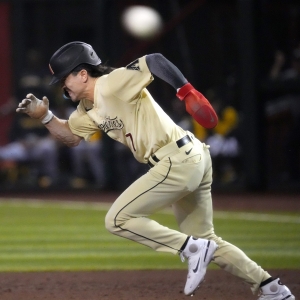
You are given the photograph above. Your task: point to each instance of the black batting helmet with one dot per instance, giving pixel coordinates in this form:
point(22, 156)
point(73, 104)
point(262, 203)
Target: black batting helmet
point(69, 56)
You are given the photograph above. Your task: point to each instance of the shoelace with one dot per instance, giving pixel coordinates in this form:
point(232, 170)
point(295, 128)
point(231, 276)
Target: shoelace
point(182, 257)
point(261, 295)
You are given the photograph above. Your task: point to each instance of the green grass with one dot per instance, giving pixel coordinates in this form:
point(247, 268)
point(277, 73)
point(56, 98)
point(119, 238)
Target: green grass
point(38, 236)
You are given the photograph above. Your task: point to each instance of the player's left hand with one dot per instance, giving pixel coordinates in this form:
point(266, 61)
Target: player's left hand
point(198, 106)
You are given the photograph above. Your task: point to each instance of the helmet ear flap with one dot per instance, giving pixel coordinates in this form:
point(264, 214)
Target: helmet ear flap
point(66, 95)
point(69, 56)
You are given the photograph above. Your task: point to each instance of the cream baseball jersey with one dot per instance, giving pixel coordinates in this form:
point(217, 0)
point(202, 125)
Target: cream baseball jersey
point(125, 110)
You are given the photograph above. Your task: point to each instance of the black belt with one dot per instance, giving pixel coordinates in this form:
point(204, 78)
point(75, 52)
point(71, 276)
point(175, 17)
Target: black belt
point(180, 143)
point(183, 141)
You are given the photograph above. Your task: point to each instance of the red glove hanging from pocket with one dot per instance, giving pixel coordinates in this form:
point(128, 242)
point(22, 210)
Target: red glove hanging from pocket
point(198, 106)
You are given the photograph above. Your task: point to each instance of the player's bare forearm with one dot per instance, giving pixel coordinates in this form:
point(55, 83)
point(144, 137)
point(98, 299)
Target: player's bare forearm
point(61, 131)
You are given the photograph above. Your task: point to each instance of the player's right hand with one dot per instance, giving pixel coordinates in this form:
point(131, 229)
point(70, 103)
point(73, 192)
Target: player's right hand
point(34, 107)
point(198, 106)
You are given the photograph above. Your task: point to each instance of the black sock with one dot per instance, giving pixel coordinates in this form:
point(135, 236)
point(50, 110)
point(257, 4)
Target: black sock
point(184, 244)
point(266, 281)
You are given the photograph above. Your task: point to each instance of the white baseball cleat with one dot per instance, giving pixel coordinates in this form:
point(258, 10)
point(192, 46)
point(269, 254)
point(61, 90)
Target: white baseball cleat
point(275, 290)
point(199, 253)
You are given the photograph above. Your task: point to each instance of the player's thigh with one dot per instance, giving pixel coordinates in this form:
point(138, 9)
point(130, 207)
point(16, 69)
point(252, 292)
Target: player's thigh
point(148, 194)
point(194, 212)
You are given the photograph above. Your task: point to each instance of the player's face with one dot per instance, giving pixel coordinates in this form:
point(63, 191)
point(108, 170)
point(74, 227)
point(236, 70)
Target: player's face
point(74, 85)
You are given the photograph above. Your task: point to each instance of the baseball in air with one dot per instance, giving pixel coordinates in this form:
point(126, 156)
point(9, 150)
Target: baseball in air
point(142, 22)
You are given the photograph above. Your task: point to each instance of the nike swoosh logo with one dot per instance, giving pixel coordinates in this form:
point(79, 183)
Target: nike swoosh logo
point(188, 152)
point(197, 266)
point(196, 269)
point(207, 247)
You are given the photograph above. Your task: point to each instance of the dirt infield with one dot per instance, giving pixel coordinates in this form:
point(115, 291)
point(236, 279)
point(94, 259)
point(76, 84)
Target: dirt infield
point(127, 285)
point(221, 201)
point(145, 285)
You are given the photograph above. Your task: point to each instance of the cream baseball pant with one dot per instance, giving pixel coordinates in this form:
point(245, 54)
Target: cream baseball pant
point(181, 178)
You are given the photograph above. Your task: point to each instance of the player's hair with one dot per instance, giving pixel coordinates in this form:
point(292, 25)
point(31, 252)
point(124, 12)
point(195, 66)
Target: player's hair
point(93, 71)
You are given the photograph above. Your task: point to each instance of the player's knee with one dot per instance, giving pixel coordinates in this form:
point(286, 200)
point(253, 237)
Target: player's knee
point(114, 221)
point(110, 223)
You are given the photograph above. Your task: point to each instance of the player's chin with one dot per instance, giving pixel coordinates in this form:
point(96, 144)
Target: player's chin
point(72, 96)
point(75, 100)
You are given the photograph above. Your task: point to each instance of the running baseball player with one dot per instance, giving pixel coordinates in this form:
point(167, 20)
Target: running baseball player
point(117, 102)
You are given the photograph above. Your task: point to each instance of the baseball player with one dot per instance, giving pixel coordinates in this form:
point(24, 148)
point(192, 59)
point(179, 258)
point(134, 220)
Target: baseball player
point(117, 102)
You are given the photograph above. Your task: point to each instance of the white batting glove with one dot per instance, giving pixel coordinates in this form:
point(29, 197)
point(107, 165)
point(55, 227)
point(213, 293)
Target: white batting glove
point(36, 108)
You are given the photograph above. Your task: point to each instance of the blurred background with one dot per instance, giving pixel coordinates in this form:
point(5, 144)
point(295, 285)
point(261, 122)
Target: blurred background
point(243, 55)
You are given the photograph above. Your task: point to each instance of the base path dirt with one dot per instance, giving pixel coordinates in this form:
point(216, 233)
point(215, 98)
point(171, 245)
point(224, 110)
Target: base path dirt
point(128, 285)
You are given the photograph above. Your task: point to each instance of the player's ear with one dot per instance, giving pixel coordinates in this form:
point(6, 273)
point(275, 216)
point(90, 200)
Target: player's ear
point(84, 75)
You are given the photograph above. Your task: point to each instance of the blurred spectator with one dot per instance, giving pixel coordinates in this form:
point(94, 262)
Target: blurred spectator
point(278, 70)
point(39, 153)
point(279, 62)
point(127, 168)
point(223, 141)
point(30, 143)
point(87, 163)
point(284, 78)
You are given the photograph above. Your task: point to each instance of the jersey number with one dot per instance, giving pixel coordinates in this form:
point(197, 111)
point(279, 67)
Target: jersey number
point(129, 135)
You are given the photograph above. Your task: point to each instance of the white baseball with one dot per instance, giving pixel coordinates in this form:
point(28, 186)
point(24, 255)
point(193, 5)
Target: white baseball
point(142, 21)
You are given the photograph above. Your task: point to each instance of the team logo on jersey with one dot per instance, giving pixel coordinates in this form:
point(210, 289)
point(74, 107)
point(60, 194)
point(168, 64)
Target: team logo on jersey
point(111, 124)
point(134, 66)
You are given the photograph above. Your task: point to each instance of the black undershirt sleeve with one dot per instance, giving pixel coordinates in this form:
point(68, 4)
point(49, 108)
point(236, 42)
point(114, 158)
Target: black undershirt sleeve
point(165, 70)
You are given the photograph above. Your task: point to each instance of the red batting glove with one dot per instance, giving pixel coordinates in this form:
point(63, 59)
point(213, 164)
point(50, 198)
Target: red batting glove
point(198, 106)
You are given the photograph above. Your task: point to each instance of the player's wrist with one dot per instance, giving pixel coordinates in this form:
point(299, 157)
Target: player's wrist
point(48, 117)
point(184, 91)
